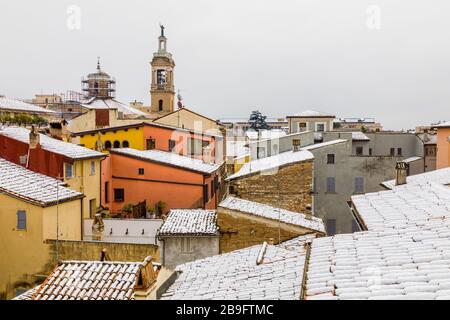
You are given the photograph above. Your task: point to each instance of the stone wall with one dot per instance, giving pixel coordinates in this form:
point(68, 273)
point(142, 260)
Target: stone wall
point(239, 230)
point(289, 187)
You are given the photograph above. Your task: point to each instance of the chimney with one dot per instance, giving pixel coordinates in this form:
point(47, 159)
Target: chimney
point(296, 145)
point(401, 169)
point(146, 279)
point(98, 227)
point(64, 132)
point(34, 138)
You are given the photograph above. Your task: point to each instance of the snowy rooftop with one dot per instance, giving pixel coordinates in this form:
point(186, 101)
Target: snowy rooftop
point(359, 136)
point(272, 163)
point(411, 159)
point(277, 214)
point(265, 134)
point(33, 187)
point(90, 280)
point(312, 114)
point(445, 124)
point(169, 158)
point(323, 144)
point(113, 104)
point(236, 275)
point(409, 261)
point(17, 105)
point(440, 176)
point(190, 222)
point(67, 149)
point(403, 204)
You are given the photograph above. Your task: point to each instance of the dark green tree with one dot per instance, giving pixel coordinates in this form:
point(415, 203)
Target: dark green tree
point(258, 121)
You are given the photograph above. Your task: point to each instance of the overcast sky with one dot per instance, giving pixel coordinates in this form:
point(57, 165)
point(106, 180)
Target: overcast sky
point(233, 56)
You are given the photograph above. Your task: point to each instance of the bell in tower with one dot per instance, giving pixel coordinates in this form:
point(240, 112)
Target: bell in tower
point(162, 89)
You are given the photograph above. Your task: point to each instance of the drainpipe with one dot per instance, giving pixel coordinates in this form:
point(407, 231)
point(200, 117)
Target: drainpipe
point(82, 220)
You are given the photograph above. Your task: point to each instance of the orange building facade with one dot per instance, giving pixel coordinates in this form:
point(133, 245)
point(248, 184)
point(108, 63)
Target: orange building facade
point(443, 150)
point(131, 176)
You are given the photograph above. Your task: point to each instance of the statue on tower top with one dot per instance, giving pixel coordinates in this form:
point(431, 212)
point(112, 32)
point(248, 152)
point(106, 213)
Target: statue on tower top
point(162, 29)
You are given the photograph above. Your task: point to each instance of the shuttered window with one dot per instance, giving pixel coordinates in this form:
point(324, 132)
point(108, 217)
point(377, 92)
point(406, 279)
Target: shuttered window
point(359, 185)
point(21, 220)
point(331, 185)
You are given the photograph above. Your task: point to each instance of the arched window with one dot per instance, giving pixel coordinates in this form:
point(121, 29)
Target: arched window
point(125, 144)
point(107, 145)
point(160, 106)
point(116, 144)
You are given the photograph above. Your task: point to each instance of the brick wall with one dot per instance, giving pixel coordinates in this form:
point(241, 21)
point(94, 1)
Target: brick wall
point(288, 188)
point(239, 230)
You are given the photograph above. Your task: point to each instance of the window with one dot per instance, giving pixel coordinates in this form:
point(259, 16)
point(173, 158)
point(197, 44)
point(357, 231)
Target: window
point(119, 195)
point(205, 193)
point(107, 192)
point(330, 158)
point(160, 105)
point(107, 145)
point(231, 190)
point(331, 227)
point(21, 220)
point(261, 152)
point(359, 185)
point(359, 151)
point(92, 168)
point(301, 126)
point(141, 171)
point(151, 144)
point(125, 144)
point(92, 208)
point(171, 145)
point(185, 245)
point(392, 151)
point(68, 170)
point(370, 151)
point(116, 144)
point(331, 187)
point(399, 151)
point(320, 127)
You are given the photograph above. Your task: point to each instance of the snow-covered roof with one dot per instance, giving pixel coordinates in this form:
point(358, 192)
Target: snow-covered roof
point(90, 280)
point(411, 159)
point(440, 176)
point(189, 222)
point(237, 148)
point(265, 134)
point(359, 136)
point(17, 105)
point(98, 103)
point(406, 261)
point(67, 149)
point(269, 212)
point(445, 124)
point(312, 114)
point(169, 158)
point(236, 276)
point(272, 162)
point(323, 144)
point(402, 205)
point(33, 187)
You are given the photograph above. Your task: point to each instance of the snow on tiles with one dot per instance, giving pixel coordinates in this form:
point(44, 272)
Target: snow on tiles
point(33, 187)
point(236, 275)
point(169, 158)
point(273, 162)
point(17, 105)
point(190, 222)
point(440, 176)
point(67, 149)
point(270, 212)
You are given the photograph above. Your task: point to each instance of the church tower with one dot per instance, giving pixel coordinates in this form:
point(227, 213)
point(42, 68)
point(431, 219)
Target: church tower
point(162, 89)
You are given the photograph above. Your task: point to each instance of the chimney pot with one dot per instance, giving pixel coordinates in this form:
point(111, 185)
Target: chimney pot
point(34, 138)
point(296, 144)
point(401, 169)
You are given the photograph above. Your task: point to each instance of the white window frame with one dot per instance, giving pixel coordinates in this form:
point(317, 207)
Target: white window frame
point(324, 126)
point(92, 172)
point(65, 170)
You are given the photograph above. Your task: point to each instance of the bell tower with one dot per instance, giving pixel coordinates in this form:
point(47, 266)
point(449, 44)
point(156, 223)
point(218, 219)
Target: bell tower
point(162, 89)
